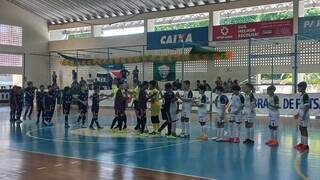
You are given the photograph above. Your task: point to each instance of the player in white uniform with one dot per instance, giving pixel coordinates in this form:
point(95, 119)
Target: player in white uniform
point(186, 109)
point(303, 116)
point(221, 102)
point(249, 112)
point(235, 110)
point(202, 104)
point(274, 115)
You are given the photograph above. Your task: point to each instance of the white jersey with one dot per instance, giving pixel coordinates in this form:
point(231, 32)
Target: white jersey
point(249, 107)
point(221, 100)
point(187, 106)
point(237, 102)
point(304, 116)
point(273, 105)
point(202, 111)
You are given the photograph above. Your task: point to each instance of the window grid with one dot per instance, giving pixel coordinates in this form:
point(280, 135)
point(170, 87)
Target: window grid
point(10, 35)
point(11, 60)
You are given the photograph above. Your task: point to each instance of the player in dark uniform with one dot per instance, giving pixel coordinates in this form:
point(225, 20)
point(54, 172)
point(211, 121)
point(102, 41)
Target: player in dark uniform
point(49, 106)
point(95, 107)
point(66, 104)
point(19, 103)
point(40, 103)
point(13, 103)
point(28, 100)
point(83, 104)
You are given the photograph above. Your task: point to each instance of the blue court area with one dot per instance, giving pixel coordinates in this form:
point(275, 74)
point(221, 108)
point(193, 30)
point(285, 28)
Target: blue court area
point(209, 159)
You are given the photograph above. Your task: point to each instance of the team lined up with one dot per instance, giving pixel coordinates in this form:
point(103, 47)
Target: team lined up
point(240, 108)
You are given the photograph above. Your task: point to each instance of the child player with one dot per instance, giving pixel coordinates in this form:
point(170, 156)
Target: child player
point(83, 104)
point(143, 99)
point(303, 117)
point(49, 105)
point(120, 105)
point(66, 104)
point(28, 100)
point(155, 106)
point(221, 102)
point(249, 112)
point(168, 99)
point(274, 115)
point(186, 109)
point(40, 106)
point(95, 107)
point(13, 103)
point(237, 102)
point(135, 104)
point(202, 112)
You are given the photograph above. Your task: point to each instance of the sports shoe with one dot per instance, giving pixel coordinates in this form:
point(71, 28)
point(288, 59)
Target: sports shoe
point(19, 121)
point(247, 141)
point(66, 125)
point(219, 140)
point(92, 128)
point(99, 127)
point(83, 126)
point(228, 139)
point(204, 138)
point(172, 137)
point(236, 140)
point(268, 142)
point(303, 148)
point(153, 133)
point(187, 136)
point(273, 143)
point(297, 146)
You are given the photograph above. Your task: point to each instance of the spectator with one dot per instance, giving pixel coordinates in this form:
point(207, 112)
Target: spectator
point(82, 81)
point(218, 81)
point(124, 74)
point(135, 75)
point(229, 85)
point(206, 85)
point(74, 75)
point(54, 78)
point(198, 84)
point(109, 80)
point(90, 82)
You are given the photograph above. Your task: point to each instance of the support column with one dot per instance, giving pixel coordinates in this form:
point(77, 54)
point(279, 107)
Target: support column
point(298, 11)
point(210, 29)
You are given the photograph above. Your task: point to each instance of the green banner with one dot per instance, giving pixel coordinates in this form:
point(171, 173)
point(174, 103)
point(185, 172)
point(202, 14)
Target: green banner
point(164, 71)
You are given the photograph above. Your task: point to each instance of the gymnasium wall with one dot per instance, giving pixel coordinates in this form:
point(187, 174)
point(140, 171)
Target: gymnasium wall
point(35, 39)
point(236, 68)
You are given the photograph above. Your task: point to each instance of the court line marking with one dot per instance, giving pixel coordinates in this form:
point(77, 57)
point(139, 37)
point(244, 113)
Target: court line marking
point(29, 133)
point(297, 166)
point(114, 164)
point(41, 168)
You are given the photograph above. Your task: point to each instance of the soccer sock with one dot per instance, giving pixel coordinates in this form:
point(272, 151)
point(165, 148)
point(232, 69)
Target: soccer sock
point(83, 119)
point(187, 128)
point(248, 133)
point(173, 127)
point(304, 140)
point(115, 119)
point(92, 121)
point(238, 130)
point(66, 119)
point(154, 126)
point(271, 134)
point(157, 126)
point(125, 120)
point(205, 130)
point(251, 134)
point(275, 134)
point(79, 118)
point(183, 127)
point(231, 130)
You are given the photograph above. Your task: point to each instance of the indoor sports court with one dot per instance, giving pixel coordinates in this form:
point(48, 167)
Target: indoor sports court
point(160, 89)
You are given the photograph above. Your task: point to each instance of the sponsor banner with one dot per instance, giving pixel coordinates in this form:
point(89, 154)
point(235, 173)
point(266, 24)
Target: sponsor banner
point(289, 103)
point(309, 27)
point(164, 71)
point(177, 38)
point(266, 29)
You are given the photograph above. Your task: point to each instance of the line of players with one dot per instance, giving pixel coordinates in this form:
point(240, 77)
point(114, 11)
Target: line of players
point(242, 106)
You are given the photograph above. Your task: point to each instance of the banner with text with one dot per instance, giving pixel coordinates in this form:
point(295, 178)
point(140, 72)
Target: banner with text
point(265, 29)
point(177, 38)
point(309, 27)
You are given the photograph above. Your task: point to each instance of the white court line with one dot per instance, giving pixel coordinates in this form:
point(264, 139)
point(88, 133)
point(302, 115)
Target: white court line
point(29, 133)
point(58, 165)
point(41, 168)
point(115, 164)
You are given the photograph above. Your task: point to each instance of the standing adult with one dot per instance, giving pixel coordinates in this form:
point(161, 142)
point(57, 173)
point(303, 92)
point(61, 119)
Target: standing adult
point(54, 77)
point(135, 75)
point(124, 74)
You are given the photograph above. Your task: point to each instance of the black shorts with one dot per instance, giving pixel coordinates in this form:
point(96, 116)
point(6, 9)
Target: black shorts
point(66, 108)
point(164, 114)
point(28, 103)
point(83, 109)
point(155, 119)
point(136, 105)
point(95, 110)
point(40, 108)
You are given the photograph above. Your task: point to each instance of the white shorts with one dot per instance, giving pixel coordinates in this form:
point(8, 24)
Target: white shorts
point(202, 118)
point(274, 118)
point(235, 118)
point(303, 121)
point(249, 117)
point(220, 118)
point(186, 113)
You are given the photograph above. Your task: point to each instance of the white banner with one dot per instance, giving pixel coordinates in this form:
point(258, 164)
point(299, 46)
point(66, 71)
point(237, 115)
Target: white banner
point(289, 103)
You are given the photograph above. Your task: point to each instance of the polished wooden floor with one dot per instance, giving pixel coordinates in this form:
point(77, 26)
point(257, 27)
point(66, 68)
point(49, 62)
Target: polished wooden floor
point(24, 165)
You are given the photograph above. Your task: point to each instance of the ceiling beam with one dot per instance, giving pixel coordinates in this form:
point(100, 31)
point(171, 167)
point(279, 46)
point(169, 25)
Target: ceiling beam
point(168, 13)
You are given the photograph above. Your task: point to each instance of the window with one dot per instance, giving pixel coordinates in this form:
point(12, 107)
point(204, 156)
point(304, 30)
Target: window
point(182, 22)
point(10, 35)
point(71, 33)
point(12, 60)
point(119, 29)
